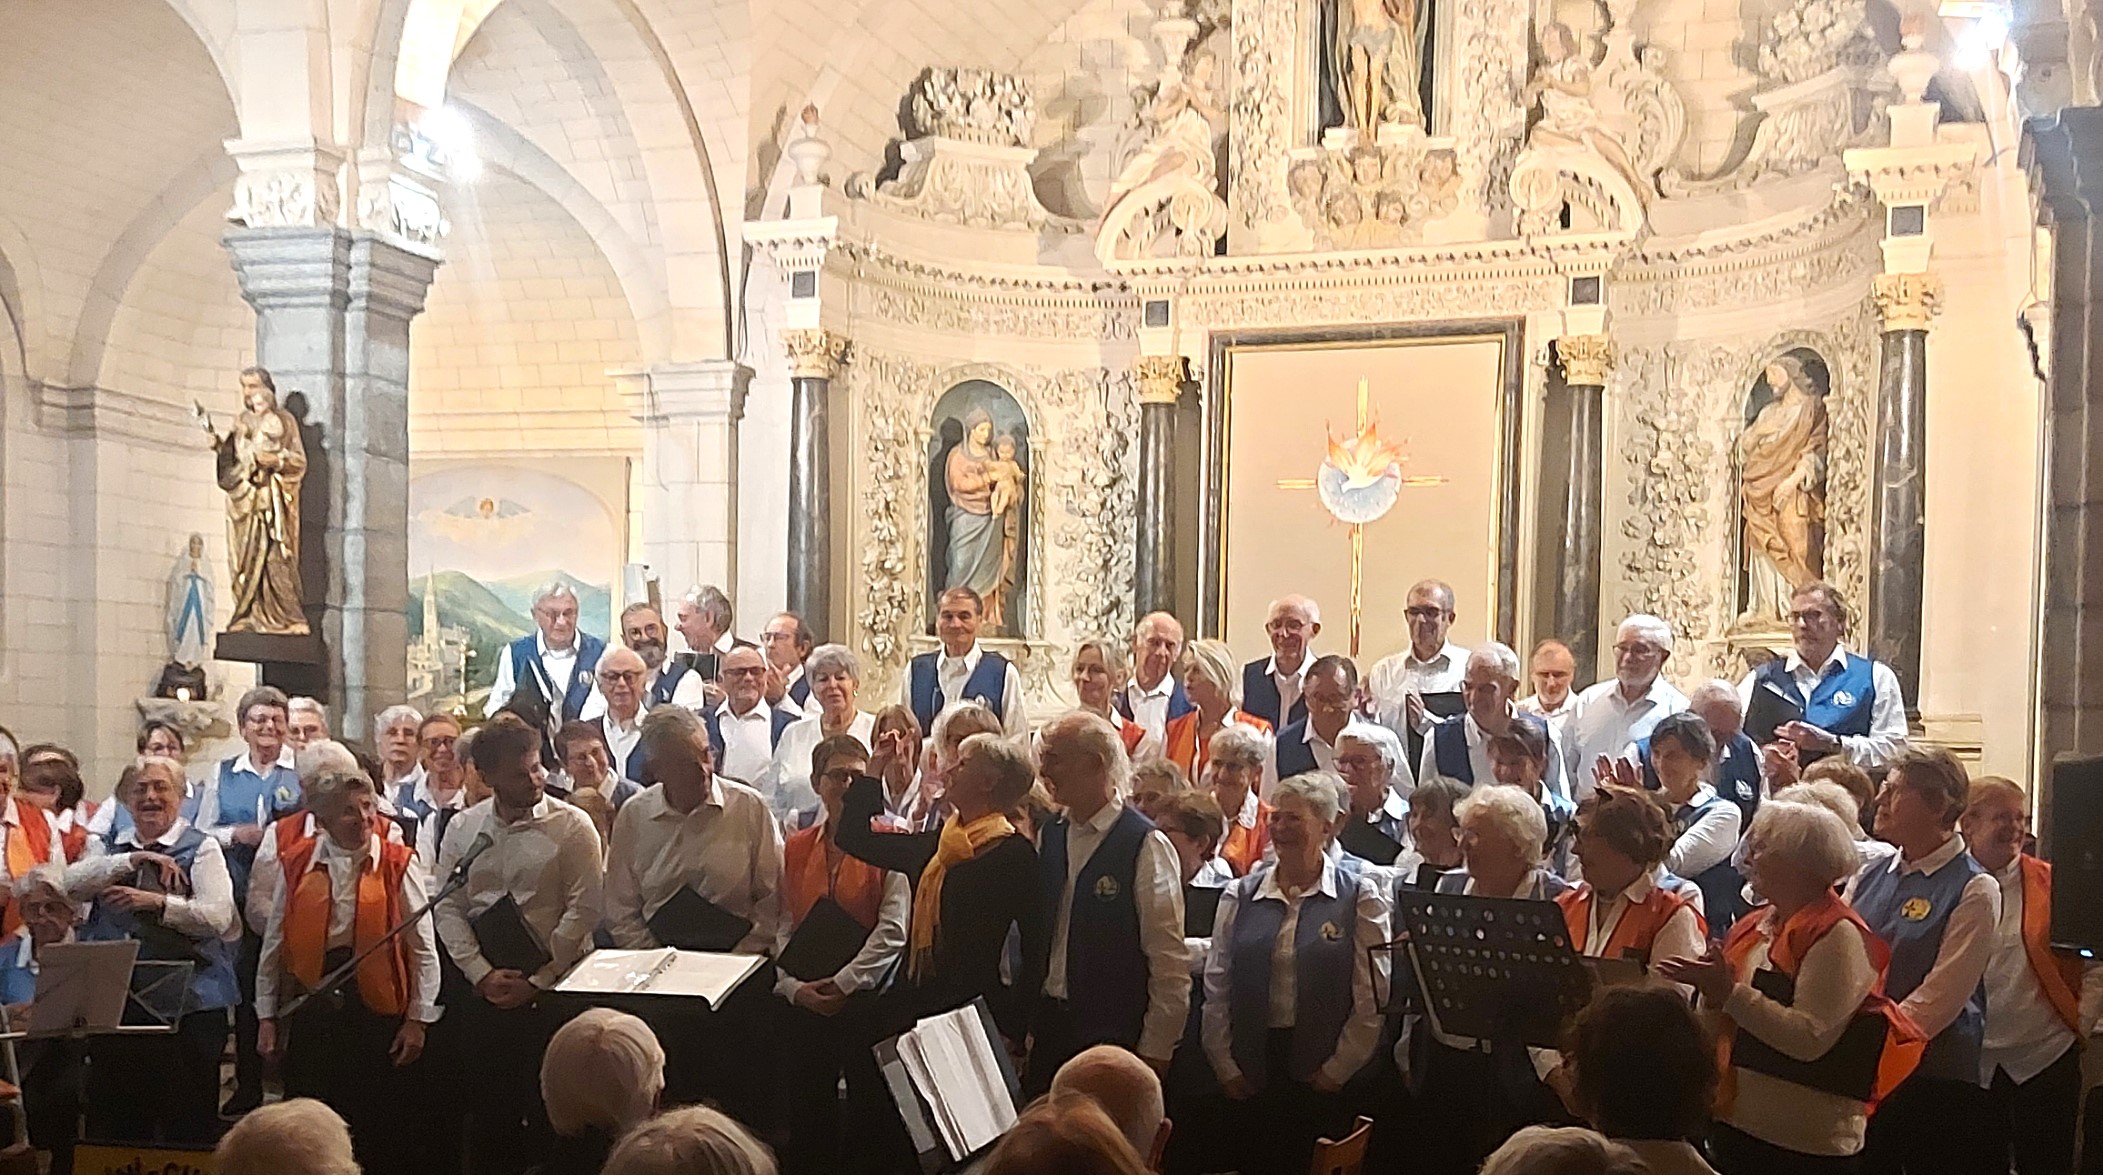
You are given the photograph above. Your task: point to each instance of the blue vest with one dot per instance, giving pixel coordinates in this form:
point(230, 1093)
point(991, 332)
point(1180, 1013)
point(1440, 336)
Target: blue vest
point(213, 985)
point(1325, 952)
point(1841, 702)
point(1722, 888)
point(248, 798)
point(1179, 703)
point(1887, 900)
point(1737, 773)
point(1449, 745)
point(1293, 753)
point(988, 683)
point(525, 659)
point(407, 804)
point(1259, 696)
point(18, 985)
point(800, 693)
point(1106, 972)
point(668, 678)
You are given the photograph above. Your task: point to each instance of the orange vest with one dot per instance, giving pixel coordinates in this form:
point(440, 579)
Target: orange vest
point(1638, 928)
point(383, 978)
point(2059, 975)
point(1131, 733)
point(856, 885)
point(28, 845)
point(1904, 1042)
point(1181, 745)
point(1244, 846)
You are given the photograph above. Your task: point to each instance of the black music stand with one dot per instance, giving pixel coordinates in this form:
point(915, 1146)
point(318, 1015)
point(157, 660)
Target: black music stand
point(1496, 969)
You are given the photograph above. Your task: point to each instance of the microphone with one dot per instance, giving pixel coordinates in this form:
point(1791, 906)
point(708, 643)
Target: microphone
point(467, 859)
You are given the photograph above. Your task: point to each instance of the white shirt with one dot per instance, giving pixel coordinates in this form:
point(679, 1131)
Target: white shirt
point(874, 961)
point(1399, 675)
point(691, 692)
point(788, 780)
point(207, 913)
point(559, 664)
point(1831, 981)
point(344, 867)
point(1157, 891)
point(748, 741)
point(1150, 706)
point(548, 861)
point(1556, 716)
point(952, 674)
point(1288, 685)
point(427, 828)
point(728, 850)
point(1478, 741)
point(1602, 723)
point(1967, 941)
point(2024, 1033)
point(207, 808)
point(1361, 1034)
point(1887, 712)
point(621, 740)
point(1710, 840)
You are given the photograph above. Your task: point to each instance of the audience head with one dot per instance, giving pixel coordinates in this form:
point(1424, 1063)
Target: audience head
point(1193, 824)
point(1644, 1066)
point(1304, 809)
point(621, 672)
point(297, 1137)
point(1157, 643)
point(1330, 690)
point(581, 746)
point(1553, 669)
point(1153, 782)
point(1211, 677)
point(1082, 761)
point(156, 737)
point(991, 774)
point(1715, 701)
point(1429, 610)
point(603, 1070)
point(959, 612)
point(785, 640)
point(1434, 820)
point(1852, 779)
point(1489, 683)
point(1681, 749)
point(1817, 619)
point(1796, 853)
point(1502, 832)
point(1100, 669)
point(323, 756)
point(1063, 1136)
point(1642, 645)
point(1996, 821)
point(744, 676)
point(703, 616)
point(261, 715)
point(692, 1141)
point(555, 613)
point(394, 732)
point(1369, 757)
point(959, 721)
point(835, 674)
point(1830, 796)
point(676, 753)
point(1238, 756)
point(1123, 1087)
point(1562, 1150)
point(506, 755)
point(1292, 624)
point(642, 629)
point(1922, 798)
point(305, 721)
point(1623, 834)
point(1519, 757)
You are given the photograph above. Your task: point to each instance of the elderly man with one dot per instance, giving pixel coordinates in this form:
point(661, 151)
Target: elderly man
point(394, 737)
point(960, 669)
point(1459, 748)
point(306, 721)
point(1430, 665)
point(1552, 669)
point(744, 729)
point(1155, 693)
point(671, 682)
point(588, 762)
point(1735, 773)
point(1310, 743)
point(1270, 689)
point(1846, 704)
point(621, 676)
point(1609, 715)
point(704, 620)
point(557, 660)
point(787, 644)
point(1369, 757)
point(1126, 1090)
point(1119, 972)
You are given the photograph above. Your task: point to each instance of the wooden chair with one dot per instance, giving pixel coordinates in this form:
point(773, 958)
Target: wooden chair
point(1346, 1157)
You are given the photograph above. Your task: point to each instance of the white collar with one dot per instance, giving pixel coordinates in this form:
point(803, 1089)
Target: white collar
point(1271, 667)
point(1250, 807)
point(130, 836)
point(1652, 696)
point(537, 812)
point(1324, 882)
point(1951, 849)
point(760, 712)
point(613, 723)
point(1393, 806)
point(1166, 687)
point(972, 656)
point(1703, 796)
point(1105, 816)
point(1796, 663)
point(1311, 738)
point(540, 642)
point(242, 762)
point(424, 795)
point(1546, 711)
point(2012, 872)
point(1447, 654)
point(325, 846)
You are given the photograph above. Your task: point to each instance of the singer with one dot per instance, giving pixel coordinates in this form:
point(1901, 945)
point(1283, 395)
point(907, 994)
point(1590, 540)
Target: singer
point(343, 890)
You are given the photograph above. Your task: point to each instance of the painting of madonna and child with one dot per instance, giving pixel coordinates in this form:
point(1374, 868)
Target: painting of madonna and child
point(978, 484)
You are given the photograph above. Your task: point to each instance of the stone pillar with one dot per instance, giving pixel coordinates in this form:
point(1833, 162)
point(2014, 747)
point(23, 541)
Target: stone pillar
point(1585, 360)
point(689, 413)
point(815, 356)
point(1906, 302)
point(1161, 379)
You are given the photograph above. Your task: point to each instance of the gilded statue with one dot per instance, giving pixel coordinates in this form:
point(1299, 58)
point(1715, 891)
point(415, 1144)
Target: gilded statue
point(261, 463)
point(1782, 495)
point(1375, 64)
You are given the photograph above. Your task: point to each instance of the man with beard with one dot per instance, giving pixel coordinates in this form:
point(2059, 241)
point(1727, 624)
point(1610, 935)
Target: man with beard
point(642, 629)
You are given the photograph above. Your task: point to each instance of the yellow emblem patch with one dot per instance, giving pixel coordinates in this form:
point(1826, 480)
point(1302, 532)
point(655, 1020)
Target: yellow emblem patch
point(1106, 888)
point(1915, 909)
point(1331, 932)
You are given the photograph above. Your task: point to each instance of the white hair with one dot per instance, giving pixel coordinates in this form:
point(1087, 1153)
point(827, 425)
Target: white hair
point(604, 1069)
point(1649, 628)
point(392, 715)
point(1240, 744)
point(1717, 690)
point(1304, 605)
point(1562, 1150)
point(960, 720)
point(1515, 815)
point(1500, 657)
point(691, 1141)
point(297, 1137)
point(1802, 831)
point(1383, 743)
point(833, 659)
point(42, 877)
point(324, 756)
point(555, 590)
point(1092, 735)
point(309, 705)
point(1324, 791)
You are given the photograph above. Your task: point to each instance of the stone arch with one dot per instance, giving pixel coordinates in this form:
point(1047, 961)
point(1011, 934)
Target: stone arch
point(21, 299)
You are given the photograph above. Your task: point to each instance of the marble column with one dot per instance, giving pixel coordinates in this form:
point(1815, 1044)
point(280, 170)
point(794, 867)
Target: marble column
point(333, 309)
point(814, 358)
point(1161, 379)
point(1906, 302)
point(1585, 360)
point(690, 414)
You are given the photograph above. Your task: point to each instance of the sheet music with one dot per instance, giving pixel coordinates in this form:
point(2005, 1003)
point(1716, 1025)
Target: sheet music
point(616, 972)
point(664, 972)
point(951, 1062)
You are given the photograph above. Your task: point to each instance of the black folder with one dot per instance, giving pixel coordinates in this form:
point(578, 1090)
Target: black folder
point(1768, 712)
point(506, 941)
point(691, 922)
point(1200, 910)
point(1849, 1068)
point(1361, 839)
point(826, 940)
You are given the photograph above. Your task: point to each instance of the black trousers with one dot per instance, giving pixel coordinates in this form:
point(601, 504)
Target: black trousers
point(501, 1049)
point(824, 1136)
point(52, 1071)
point(1474, 1100)
point(2036, 1117)
point(337, 1051)
point(248, 1063)
point(1734, 1152)
point(1274, 1132)
point(1933, 1126)
point(1056, 1038)
point(158, 1088)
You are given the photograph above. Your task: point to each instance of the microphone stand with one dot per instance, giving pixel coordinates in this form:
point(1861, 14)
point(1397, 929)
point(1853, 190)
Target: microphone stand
point(336, 978)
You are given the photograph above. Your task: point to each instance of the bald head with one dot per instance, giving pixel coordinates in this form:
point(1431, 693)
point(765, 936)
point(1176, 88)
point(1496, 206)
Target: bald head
point(1553, 669)
point(1126, 1090)
point(621, 673)
point(1716, 702)
point(1156, 643)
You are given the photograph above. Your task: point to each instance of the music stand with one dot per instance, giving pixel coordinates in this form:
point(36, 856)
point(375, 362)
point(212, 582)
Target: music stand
point(917, 1105)
point(1495, 969)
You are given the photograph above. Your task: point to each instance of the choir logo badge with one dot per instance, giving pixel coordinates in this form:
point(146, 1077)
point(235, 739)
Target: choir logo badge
point(1843, 698)
point(283, 796)
point(1106, 889)
point(584, 677)
point(1331, 932)
point(1915, 909)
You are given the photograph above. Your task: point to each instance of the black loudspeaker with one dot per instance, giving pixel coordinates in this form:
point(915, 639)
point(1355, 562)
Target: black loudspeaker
point(2074, 830)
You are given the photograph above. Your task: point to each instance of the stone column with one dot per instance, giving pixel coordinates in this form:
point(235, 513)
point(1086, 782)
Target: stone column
point(815, 356)
point(1906, 302)
point(1585, 360)
point(1161, 379)
point(689, 413)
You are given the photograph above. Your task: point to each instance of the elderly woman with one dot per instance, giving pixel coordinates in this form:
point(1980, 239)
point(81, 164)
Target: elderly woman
point(1434, 834)
point(1154, 782)
point(1240, 757)
point(394, 733)
point(1502, 830)
point(1618, 911)
point(1837, 799)
point(600, 1078)
point(1377, 826)
point(1518, 758)
point(1212, 679)
point(164, 884)
point(835, 674)
point(1100, 669)
point(51, 1068)
point(1789, 982)
point(1290, 1012)
point(692, 1141)
point(297, 1137)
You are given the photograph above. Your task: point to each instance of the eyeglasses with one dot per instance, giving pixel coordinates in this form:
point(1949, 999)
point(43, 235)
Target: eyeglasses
point(1808, 616)
point(1423, 613)
point(1357, 761)
point(1637, 649)
point(620, 675)
point(775, 638)
point(840, 773)
point(744, 671)
point(440, 741)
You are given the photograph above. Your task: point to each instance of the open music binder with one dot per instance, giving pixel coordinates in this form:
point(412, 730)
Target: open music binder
point(665, 971)
point(953, 1084)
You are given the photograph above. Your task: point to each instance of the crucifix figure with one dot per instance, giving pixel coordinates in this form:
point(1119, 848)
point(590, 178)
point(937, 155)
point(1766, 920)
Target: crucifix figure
point(1358, 483)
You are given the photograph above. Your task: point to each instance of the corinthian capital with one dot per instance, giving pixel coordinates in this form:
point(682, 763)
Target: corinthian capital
point(1585, 359)
point(1907, 301)
point(1161, 378)
point(814, 353)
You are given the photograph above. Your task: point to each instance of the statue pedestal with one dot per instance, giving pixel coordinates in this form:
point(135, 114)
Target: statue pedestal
point(291, 663)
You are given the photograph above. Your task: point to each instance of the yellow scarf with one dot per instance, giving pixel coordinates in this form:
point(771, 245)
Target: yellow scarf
point(960, 843)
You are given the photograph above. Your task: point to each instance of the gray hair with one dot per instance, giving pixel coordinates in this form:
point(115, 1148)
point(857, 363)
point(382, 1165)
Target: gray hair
point(1241, 745)
point(1323, 791)
point(1649, 628)
point(667, 729)
point(1807, 835)
point(324, 756)
point(554, 590)
point(1013, 773)
point(1562, 1150)
point(1093, 735)
point(833, 659)
point(1500, 657)
point(325, 790)
point(1824, 793)
point(960, 720)
point(392, 715)
point(1717, 690)
point(1116, 658)
point(690, 1141)
point(1309, 611)
point(262, 695)
point(1515, 815)
point(604, 1069)
point(44, 877)
point(712, 603)
point(1381, 741)
point(311, 706)
point(297, 1137)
